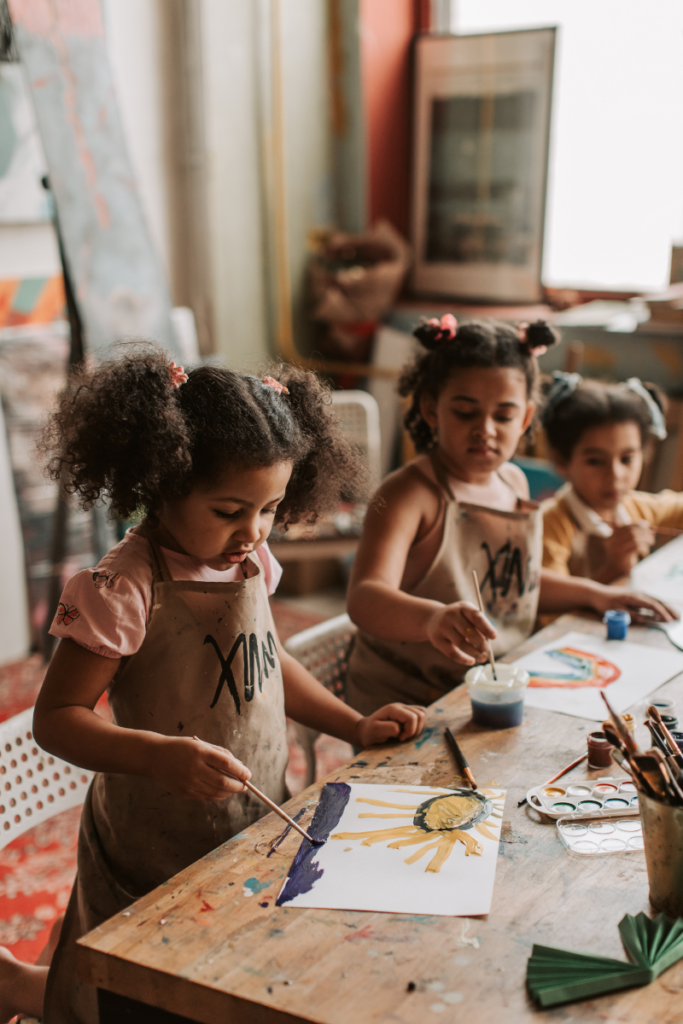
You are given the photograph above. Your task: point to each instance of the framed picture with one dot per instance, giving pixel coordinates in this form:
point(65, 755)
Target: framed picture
point(480, 145)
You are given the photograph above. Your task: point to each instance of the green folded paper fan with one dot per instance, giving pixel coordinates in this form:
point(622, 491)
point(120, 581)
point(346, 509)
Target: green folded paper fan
point(561, 976)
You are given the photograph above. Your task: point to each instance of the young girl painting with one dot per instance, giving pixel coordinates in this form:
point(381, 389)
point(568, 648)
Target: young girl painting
point(175, 622)
point(598, 525)
point(460, 505)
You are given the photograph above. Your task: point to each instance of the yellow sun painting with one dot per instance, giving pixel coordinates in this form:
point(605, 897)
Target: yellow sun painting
point(439, 822)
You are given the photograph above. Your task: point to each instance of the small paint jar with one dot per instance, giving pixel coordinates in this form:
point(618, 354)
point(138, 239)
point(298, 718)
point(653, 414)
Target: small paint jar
point(497, 703)
point(664, 705)
point(599, 751)
point(670, 721)
point(617, 623)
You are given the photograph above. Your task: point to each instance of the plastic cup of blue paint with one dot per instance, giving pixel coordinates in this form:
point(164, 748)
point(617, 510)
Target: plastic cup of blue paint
point(617, 623)
point(497, 703)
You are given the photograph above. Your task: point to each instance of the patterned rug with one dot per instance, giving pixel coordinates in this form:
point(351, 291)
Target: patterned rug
point(38, 868)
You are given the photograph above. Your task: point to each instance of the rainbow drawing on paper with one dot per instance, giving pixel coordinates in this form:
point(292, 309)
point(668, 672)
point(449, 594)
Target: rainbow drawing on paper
point(584, 669)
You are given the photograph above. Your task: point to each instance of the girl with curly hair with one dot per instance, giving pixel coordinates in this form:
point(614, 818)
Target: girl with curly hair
point(175, 623)
point(460, 506)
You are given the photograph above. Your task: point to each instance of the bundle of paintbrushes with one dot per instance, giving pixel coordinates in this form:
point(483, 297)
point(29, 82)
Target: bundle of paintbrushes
point(560, 976)
point(656, 772)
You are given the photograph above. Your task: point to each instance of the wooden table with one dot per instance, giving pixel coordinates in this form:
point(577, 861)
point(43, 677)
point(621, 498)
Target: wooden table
point(211, 947)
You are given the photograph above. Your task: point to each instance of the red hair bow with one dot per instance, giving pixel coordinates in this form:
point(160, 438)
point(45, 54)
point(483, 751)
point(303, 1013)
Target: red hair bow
point(270, 382)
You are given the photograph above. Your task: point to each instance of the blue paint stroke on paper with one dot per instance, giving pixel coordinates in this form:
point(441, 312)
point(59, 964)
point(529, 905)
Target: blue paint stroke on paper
point(305, 872)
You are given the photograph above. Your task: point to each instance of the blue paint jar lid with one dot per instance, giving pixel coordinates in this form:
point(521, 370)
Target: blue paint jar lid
point(617, 623)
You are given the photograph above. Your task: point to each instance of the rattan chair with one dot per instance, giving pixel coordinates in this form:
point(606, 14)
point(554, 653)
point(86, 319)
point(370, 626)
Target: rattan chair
point(324, 651)
point(34, 785)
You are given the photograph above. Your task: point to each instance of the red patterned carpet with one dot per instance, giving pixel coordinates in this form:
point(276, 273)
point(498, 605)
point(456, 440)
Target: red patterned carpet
point(38, 868)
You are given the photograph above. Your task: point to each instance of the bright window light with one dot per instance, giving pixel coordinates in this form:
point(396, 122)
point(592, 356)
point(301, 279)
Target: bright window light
point(615, 191)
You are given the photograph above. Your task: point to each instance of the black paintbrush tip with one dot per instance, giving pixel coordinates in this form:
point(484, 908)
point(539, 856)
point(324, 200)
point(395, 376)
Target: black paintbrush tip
point(317, 842)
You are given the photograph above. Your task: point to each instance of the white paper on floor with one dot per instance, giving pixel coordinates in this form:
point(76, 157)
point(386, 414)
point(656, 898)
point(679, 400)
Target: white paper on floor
point(661, 573)
point(568, 674)
point(399, 849)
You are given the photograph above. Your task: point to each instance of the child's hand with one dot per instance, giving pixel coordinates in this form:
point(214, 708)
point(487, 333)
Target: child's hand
point(626, 545)
point(460, 631)
point(393, 721)
point(631, 601)
point(193, 769)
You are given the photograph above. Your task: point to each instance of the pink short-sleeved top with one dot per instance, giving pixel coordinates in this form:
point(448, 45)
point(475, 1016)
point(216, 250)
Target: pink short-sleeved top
point(107, 609)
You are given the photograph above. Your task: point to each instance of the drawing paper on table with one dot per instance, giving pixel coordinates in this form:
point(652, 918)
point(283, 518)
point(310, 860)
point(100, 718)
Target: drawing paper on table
point(399, 849)
point(661, 573)
point(568, 674)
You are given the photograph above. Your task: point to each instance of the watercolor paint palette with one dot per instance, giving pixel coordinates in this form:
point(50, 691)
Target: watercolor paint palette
point(597, 835)
point(585, 796)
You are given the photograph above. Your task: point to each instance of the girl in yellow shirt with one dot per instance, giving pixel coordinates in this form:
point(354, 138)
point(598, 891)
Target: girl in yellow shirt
point(598, 525)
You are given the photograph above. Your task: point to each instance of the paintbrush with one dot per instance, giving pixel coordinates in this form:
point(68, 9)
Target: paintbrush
point(559, 774)
point(273, 806)
point(622, 730)
point(656, 715)
point(460, 758)
point(673, 788)
point(481, 609)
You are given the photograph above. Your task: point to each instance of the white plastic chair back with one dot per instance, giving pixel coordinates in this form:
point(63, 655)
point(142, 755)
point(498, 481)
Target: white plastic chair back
point(324, 651)
point(34, 785)
point(359, 415)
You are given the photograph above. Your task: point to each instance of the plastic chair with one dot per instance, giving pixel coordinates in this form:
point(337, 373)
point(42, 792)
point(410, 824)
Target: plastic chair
point(34, 785)
point(324, 651)
point(359, 415)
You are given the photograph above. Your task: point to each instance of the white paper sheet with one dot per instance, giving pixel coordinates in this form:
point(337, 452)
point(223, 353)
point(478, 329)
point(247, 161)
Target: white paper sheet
point(625, 671)
point(661, 574)
point(344, 874)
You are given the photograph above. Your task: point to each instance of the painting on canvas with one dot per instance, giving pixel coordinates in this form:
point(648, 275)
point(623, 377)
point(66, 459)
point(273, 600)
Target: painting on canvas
point(399, 849)
point(568, 674)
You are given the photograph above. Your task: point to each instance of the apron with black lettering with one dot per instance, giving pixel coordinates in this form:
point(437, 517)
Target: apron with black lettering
point(208, 666)
point(506, 550)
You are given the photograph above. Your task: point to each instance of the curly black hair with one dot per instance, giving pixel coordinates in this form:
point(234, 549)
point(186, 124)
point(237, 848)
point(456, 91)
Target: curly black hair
point(476, 343)
point(597, 404)
point(122, 432)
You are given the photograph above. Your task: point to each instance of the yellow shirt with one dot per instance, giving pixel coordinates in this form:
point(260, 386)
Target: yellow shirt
point(560, 528)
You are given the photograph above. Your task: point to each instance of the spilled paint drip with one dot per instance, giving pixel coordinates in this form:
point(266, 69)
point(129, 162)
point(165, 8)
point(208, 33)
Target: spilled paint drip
point(426, 735)
point(305, 872)
point(255, 886)
point(283, 835)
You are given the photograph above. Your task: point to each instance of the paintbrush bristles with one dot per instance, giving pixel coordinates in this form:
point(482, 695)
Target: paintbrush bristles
point(481, 609)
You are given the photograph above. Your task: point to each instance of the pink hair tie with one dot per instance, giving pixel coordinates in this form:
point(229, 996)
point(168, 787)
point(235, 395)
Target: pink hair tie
point(270, 382)
point(446, 326)
point(523, 339)
point(178, 375)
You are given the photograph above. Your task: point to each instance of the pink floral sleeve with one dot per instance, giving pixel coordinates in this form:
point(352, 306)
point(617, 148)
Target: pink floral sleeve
point(103, 611)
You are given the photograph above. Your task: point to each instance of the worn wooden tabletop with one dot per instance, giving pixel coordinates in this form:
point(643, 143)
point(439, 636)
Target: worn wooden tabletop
point(210, 944)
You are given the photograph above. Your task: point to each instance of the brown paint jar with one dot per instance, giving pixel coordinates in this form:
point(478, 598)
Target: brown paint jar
point(599, 751)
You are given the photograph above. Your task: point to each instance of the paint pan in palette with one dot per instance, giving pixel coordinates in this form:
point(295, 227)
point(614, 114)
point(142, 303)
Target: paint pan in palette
point(586, 796)
point(597, 835)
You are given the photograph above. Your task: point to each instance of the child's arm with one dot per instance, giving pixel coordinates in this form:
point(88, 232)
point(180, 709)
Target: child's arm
point(567, 593)
point(308, 702)
point(375, 601)
point(65, 724)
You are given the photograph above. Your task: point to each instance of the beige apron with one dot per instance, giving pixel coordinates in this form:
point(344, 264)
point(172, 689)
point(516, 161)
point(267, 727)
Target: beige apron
point(506, 550)
point(208, 666)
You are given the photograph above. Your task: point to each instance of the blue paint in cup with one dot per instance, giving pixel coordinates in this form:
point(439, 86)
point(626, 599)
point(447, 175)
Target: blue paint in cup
point(617, 623)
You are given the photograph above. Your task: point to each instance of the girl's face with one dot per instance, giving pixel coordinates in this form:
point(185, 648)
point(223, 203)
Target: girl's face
point(220, 524)
point(605, 465)
point(479, 417)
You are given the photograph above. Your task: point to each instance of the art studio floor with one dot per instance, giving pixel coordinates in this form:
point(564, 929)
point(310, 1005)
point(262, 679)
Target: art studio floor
point(37, 870)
